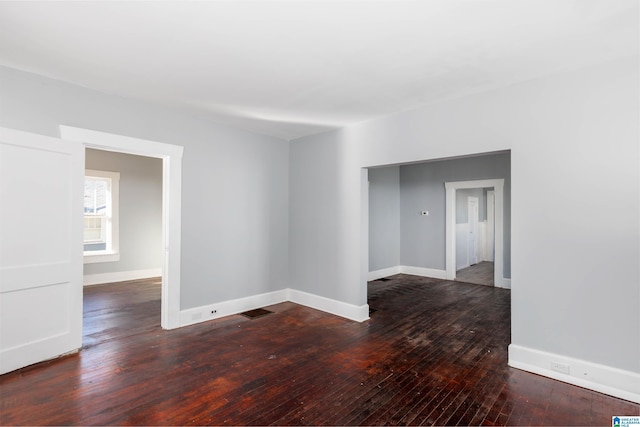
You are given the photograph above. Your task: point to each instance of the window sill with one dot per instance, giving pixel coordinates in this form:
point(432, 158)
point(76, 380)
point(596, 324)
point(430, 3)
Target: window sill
point(98, 256)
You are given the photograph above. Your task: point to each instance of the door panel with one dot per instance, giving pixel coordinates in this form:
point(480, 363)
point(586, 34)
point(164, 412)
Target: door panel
point(41, 182)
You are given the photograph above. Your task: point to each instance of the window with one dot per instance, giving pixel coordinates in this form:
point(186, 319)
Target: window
point(101, 216)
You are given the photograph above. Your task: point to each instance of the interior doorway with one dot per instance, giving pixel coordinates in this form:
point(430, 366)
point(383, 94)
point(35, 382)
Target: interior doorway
point(122, 242)
point(453, 241)
point(171, 156)
point(408, 219)
point(473, 239)
point(475, 236)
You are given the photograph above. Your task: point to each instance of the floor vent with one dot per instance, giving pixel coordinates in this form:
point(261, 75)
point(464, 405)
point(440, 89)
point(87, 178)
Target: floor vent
point(254, 314)
point(384, 279)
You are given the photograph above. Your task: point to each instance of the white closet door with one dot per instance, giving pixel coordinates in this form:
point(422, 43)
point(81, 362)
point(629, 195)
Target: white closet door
point(41, 211)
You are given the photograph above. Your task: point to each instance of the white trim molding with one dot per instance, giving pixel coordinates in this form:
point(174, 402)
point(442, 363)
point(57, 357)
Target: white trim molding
point(171, 156)
point(506, 283)
point(203, 313)
point(407, 269)
point(423, 272)
point(328, 305)
point(601, 378)
point(120, 276)
point(101, 257)
point(451, 188)
point(384, 272)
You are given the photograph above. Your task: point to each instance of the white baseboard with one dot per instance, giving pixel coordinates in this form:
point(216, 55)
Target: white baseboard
point(120, 276)
point(424, 272)
point(601, 378)
point(406, 269)
point(339, 308)
point(506, 283)
point(385, 272)
point(226, 308)
point(421, 271)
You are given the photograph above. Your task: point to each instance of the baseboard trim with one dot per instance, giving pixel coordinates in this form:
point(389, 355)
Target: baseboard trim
point(424, 272)
point(203, 313)
point(601, 378)
point(328, 305)
point(385, 272)
point(505, 284)
point(120, 276)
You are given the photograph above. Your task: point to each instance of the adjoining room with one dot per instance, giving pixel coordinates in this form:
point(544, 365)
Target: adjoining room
point(372, 212)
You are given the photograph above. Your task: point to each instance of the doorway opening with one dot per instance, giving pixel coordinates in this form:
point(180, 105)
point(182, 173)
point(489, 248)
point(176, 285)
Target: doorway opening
point(475, 236)
point(462, 239)
point(122, 244)
point(409, 218)
point(171, 156)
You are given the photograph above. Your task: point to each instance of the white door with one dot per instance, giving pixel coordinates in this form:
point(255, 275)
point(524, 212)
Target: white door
point(473, 229)
point(41, 205)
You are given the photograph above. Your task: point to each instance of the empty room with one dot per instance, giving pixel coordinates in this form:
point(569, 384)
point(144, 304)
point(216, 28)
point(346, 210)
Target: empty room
point(320, 212)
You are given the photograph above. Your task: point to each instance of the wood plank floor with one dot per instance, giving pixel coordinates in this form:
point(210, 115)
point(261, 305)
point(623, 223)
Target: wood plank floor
point(120, 310)
point(434, 352)
point(480, 274)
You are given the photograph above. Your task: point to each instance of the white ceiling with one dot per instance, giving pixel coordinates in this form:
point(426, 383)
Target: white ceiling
point(294, 68)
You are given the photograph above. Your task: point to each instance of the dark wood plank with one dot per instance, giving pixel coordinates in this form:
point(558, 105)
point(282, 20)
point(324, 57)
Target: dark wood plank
point(479, 274)
point(120, 310)
point(434, 352)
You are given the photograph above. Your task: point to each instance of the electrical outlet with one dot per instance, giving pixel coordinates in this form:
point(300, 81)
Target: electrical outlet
point(213, 312)
point(560, 367)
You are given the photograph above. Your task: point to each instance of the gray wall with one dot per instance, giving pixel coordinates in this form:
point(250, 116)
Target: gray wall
point(140, 210)
point(384, 218)
point(567, 269)
point(235, 209)
point(462, 204)
point(422, 188)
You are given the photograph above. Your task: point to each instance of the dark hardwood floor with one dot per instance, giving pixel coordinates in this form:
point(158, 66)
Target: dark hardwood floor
point(480, 274)
point(434, 352)
point(120, 310)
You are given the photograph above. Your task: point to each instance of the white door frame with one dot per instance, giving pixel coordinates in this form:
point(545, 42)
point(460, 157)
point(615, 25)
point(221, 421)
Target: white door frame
point(473, 229)
point(450, 224)
point(489, 240)
point(171, 156)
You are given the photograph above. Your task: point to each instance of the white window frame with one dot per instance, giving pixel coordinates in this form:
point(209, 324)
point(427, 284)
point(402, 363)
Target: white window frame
point(112, 253)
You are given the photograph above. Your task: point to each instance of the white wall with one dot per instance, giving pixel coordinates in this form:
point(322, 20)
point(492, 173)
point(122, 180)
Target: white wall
point(235, 183)
point(140, 211)
point(384, 218)
point(575, 277)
